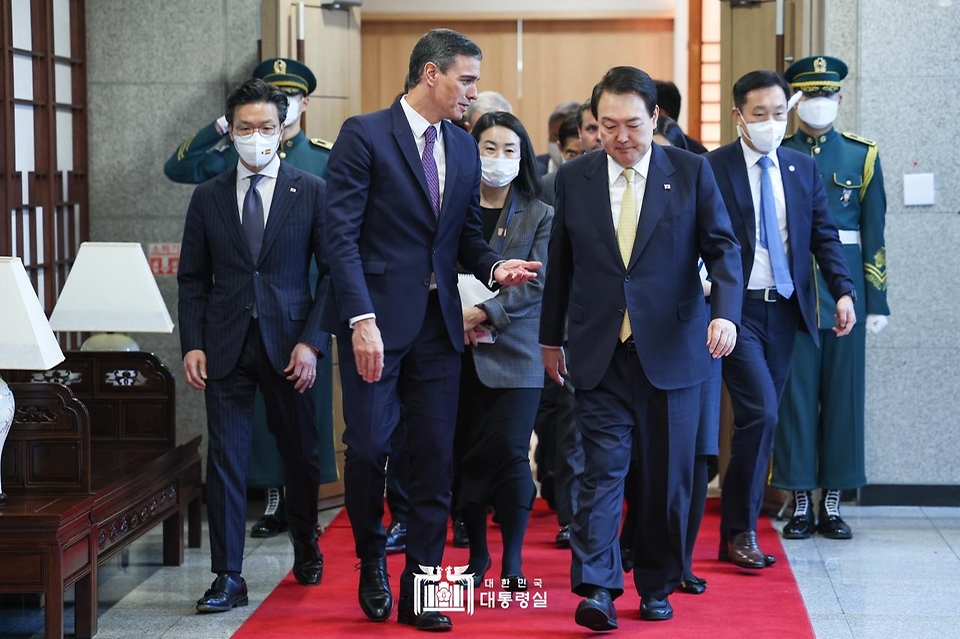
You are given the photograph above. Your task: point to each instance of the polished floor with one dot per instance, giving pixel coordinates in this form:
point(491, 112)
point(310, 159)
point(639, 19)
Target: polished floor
point(896, 578)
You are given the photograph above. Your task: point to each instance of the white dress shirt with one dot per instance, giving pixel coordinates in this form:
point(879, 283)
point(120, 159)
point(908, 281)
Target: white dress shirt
point(618, 184)
point(418, 124)
point(761, 275)
point(266, 185)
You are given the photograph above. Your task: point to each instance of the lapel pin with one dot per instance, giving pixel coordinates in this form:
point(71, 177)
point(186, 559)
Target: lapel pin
point(666, 187)
point(293, 189)
point(791, 168)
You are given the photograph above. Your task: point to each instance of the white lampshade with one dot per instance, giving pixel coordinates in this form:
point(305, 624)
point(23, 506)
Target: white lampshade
point(26, 341)
point(110, 288)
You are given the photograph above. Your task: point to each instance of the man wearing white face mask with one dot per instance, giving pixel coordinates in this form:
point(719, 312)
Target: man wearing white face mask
point(820, 439)
point(204, 155)
point(778, 209)
point(248, 322)
point(209, 153)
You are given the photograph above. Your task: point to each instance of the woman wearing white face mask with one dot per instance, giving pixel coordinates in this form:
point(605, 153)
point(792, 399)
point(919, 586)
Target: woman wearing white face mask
point(500, 382)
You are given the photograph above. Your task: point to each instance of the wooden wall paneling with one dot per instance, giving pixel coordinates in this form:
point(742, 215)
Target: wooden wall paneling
point(563, 60)
point(7, 181)
point(386, 50)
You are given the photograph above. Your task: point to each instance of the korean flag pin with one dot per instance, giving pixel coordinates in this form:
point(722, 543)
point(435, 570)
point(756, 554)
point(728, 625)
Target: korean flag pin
point(666, 187)
point(791, 168)
point(293, 189)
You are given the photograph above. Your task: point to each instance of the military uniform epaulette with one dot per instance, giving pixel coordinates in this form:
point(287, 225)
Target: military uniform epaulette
point(323, 144)
point(857, 138)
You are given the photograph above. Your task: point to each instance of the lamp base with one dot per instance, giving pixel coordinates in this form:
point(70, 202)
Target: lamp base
point(6, 419)
point(109, 342)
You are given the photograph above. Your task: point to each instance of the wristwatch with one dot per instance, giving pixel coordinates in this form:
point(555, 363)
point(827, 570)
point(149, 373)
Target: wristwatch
point(852, 293)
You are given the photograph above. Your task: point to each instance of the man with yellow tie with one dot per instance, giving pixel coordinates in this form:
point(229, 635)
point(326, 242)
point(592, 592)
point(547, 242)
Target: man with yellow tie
point(630, 225)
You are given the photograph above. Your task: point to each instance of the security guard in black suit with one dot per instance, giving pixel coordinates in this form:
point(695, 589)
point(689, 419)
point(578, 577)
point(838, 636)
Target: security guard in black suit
point(819, 442)
point(209, 153)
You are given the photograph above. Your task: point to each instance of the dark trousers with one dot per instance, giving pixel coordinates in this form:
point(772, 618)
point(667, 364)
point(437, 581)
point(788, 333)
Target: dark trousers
point(398, 466)
point(755, 374)
point(555, 414)
point(230, 426)
point(820, 437)
point(623, 411)
point(425, 377)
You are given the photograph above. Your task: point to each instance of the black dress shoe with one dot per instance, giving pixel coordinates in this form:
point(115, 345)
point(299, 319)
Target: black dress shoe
point(596, 612)
point(224, 594)
point(479, 573)
point(833, 527)
point(396, 537)
point(374, 594)
point(799, 527)
point(513, 583)
point(461, 538)
point(274, 518)
point(428, 621)
point(655, 609)
point(307, 562)
point(562, 539)
point(693, 586)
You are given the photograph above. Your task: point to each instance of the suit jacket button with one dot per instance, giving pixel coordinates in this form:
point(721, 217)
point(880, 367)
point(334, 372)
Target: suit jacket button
point(248, 306)
point(426, 281)
point(256, 273)
point(626, 279)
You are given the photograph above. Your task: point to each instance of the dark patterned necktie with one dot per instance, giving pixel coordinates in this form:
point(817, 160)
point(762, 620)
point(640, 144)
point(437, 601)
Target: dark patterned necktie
point(252, 217)
point(430, 169)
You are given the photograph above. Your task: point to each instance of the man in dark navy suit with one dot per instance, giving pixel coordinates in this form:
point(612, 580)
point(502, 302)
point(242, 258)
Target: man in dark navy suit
point(404, 198)
point(778, 208)
point(631, 224)
point(248, 320)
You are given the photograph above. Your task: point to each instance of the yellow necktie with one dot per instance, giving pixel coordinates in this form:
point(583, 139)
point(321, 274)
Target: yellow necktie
point(626, 234)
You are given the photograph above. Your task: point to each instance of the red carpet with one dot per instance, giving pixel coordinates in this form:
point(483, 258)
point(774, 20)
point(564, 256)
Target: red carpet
point(763, 603)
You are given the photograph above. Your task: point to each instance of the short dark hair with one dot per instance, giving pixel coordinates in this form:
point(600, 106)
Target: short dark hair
point(668, 97)
point(527, 182)
point(440, 46)
point(255, 90)
point(568, 129)
point(754, 80)
point(669, 129)
point(583, 107)
point(621, 80)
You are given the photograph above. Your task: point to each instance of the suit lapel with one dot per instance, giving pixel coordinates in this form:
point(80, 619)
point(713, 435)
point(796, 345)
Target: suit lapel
point(740, 183)
point(596, 199)
point(226, 201)
point(656, 199)
point(791, 193)
point(450, 149)
point(408, 149)
point(285, 192)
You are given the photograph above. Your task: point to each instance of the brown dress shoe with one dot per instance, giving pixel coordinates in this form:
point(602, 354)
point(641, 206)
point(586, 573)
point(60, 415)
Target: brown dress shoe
point(744, 552)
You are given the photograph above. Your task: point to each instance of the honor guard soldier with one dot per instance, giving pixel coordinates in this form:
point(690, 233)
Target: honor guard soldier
point(209, 153)
point(819, 441)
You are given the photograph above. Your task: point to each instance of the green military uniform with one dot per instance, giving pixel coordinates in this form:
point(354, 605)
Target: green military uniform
point(820, 436)
point(208, 154)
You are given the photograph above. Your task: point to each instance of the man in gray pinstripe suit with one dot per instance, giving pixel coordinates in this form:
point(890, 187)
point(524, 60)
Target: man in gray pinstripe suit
point(247, 321)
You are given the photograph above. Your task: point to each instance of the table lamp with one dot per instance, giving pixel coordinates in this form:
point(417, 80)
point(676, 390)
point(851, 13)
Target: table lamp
point(26, 341)
point(111, 289)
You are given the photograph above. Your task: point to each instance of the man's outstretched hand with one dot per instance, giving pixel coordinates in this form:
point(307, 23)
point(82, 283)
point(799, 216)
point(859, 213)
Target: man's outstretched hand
point(514, 272)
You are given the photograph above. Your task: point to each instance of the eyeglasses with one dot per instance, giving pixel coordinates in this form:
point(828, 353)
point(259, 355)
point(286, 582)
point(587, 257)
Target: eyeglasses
point(244, 131)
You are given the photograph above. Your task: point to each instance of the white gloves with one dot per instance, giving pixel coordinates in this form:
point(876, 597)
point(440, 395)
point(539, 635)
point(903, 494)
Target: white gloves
point(876, 323)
